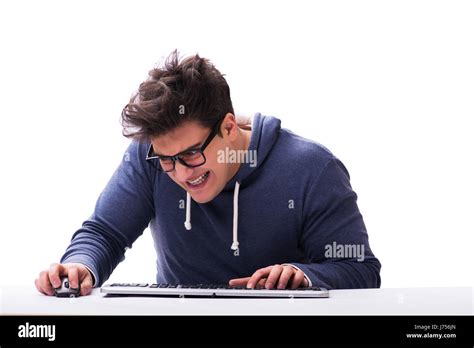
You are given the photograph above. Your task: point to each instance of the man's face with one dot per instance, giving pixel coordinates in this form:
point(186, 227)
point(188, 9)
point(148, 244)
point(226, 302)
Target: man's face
point(204, 182)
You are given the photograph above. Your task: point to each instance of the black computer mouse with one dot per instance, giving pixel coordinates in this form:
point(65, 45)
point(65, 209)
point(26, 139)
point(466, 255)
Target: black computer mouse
point(65, 289)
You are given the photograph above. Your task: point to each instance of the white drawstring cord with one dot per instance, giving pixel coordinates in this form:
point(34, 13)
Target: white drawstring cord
point(235, 231)
point(187, 223)
point(235, 226)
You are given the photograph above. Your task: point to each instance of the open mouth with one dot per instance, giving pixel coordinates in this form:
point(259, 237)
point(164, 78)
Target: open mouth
point(199, 181)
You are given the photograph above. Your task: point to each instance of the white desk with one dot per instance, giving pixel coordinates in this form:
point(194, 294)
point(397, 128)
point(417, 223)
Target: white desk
point(402, 301)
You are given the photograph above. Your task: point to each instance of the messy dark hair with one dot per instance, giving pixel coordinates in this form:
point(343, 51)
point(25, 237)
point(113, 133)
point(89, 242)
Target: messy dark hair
point(191, 89)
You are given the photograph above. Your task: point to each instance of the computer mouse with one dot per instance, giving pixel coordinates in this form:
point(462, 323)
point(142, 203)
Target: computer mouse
point(65, 289)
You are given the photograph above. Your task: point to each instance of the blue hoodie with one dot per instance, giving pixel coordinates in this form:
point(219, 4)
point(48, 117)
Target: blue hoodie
point(294, 206)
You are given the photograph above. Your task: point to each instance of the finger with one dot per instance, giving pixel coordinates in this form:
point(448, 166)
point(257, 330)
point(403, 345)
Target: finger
point(273, 276)
point(73, 275)
point(38, 287)
point(45, 284)
point(239, 281)
point(298, 280)
point(259, 274)
point(287, 273)
point(261, 283)
point(86, 284)
point(56, 270)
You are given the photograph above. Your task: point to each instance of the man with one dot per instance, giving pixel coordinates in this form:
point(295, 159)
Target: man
point(249, 205)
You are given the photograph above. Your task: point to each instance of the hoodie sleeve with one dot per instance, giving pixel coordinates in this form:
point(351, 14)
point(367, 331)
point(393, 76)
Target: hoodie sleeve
point(334, 237)
point(122, 212)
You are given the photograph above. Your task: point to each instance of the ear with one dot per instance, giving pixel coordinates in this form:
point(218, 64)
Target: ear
point(229, 127)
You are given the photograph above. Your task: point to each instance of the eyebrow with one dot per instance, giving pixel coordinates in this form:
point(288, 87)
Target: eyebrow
point(192, 147)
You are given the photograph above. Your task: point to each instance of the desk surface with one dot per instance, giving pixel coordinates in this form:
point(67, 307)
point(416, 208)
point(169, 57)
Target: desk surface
point(396, 301)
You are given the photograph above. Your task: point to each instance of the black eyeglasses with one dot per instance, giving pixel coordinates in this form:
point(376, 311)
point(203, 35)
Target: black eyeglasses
point(190, 158)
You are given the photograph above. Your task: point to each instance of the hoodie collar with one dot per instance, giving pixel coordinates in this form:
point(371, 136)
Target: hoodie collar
point(265, 130)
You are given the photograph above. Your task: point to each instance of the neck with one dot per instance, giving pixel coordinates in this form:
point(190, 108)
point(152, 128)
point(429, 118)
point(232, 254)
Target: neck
point(243, 144)
point(246, 136)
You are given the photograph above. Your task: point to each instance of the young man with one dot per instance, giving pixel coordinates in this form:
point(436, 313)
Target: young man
point(250, 205)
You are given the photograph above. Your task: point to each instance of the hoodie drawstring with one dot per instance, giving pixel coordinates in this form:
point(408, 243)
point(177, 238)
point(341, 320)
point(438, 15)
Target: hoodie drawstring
point(235, 227)
point(187, 223)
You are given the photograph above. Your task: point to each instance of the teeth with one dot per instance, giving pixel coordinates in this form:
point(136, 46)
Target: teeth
point(199, 180)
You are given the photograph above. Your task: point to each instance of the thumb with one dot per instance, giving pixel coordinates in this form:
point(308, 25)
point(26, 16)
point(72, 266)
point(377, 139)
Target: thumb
point(86, 282)
point(83, 271)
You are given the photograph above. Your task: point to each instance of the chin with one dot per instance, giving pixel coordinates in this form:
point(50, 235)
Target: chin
point(201, 199)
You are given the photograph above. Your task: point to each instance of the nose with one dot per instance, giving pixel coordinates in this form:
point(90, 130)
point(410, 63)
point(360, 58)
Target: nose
point(182, 172)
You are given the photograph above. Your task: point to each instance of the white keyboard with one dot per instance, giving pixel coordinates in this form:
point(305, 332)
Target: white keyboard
point(202, 290)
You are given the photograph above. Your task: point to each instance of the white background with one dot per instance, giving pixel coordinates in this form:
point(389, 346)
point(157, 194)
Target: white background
point(388, 86)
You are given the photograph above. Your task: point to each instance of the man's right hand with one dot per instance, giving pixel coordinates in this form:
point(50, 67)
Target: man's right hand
point(49, 279)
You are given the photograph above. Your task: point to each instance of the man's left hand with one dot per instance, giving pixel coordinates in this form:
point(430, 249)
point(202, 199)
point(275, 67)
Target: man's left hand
point(278, 276)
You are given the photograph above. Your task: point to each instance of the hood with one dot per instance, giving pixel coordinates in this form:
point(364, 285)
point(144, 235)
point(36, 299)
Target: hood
point(265, 130)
